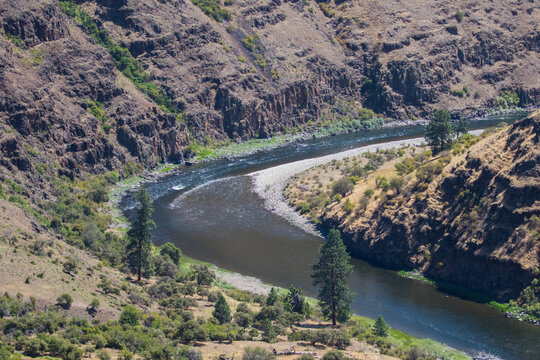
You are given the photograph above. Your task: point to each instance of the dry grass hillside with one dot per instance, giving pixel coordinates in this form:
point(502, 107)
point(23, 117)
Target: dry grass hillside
point(469, 216)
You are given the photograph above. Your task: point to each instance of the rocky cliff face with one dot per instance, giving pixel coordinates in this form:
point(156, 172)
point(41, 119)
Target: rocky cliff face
point(475, 225)
point(274, 64)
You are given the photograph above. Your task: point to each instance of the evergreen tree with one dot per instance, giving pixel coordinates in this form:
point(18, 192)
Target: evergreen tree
point(330, 276)
point(461, 127)
point(295, 301)
point(269, 332)
point(381, 328)
point(439, 130)
point(222, 312)
point(140, 244)
point(272, 298)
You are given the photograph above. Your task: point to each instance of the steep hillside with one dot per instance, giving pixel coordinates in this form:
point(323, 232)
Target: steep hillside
point(121, 81)
point(468, 218)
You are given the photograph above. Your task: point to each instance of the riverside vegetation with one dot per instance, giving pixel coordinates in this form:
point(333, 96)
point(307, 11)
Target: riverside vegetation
point(420, 192)
point(174, 308)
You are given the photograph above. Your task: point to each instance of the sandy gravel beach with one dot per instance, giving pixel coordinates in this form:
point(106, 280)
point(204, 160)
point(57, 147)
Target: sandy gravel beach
point(269, 183)
point(243, 282)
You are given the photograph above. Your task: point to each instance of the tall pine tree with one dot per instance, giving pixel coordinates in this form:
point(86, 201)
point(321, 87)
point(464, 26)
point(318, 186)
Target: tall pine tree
point(330, 276)
point(140, 244)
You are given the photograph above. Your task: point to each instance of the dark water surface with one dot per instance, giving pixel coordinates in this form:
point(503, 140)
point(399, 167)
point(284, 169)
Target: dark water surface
point(211, 213)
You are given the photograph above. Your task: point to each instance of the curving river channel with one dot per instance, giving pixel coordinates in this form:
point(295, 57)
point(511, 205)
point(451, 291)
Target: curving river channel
point(211, 212)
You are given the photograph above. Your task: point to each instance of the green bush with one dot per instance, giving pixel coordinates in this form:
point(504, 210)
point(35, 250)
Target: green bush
point(382, 183)
point(103, 355)
point(426, 173)
point(250, 42)
point(303, 207)
point(212, 9)
point(348, 207)
point(507, 100)
point(189, 331)
point(333, 355)
point(397, 183)
point(64, 301)
point(459, 15)
point(405, 166)
point(341, 186)
point(130, 316)
point(257, 353)
point(171, 251)
point(202, 274)
point(457, 92)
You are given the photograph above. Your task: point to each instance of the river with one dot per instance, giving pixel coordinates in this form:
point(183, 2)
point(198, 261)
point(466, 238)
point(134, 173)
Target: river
point(210, 211)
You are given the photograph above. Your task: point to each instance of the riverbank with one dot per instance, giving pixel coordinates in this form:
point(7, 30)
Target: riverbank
point(246, 148)
point(314, 187)
point(396, 339)
point(510, 311)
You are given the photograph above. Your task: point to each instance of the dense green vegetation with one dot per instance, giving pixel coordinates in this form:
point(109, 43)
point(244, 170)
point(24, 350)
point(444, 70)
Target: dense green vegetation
point(342, 118)
point(123, 59)
point(507, 100)
point(169, 332)
point(212, 9)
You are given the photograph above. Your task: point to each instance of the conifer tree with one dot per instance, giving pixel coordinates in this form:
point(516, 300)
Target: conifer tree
point(222, 311)
point(140, 244)
point(330, 276)
point(272, 297)
point(381, 328)
point(439, 130)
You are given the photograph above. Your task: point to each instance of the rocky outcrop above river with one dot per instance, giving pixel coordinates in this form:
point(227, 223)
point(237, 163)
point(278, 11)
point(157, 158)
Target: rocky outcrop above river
point(273, 65)
point(474, 225)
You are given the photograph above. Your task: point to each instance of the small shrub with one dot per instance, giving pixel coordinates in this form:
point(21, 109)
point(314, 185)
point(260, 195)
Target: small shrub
point(382, 183)
point(348, 207)
point(333, 355)
point(130, 316)
point(459, 16)
point(397, 183)
point(93, 307)
point(64, 301)
point(103, 355)
point(257, 353)
point(457, 92)
point(426, 173)
point(70, 266)
point(303, 207)
point(341, 186)
point(406, 166)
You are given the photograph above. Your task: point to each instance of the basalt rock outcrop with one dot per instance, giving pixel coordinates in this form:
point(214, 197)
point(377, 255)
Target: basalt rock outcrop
point(276, 64)
point(476, 224)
